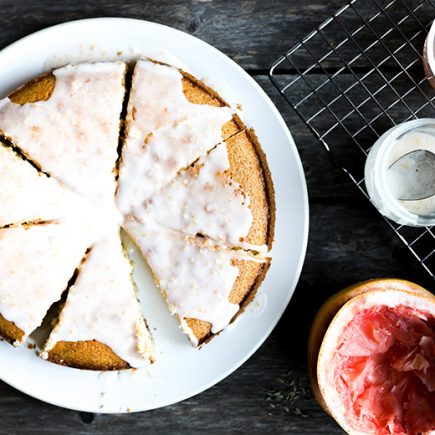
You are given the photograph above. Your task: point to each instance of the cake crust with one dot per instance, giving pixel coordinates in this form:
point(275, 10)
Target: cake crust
point(87, 355)
point(39, 89)
point(251, 275)
point(9, 331)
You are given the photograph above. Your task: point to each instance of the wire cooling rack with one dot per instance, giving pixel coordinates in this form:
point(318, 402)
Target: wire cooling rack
point(358, 74)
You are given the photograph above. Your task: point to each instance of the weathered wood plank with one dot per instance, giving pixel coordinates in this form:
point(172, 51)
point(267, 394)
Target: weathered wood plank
point(254, 33)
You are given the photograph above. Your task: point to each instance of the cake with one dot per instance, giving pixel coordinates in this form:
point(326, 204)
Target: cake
point(180, 172)
point(204, 284)
point(37, 262)
point(28, 195)
point(84, 334)
point(221, 190)
point(67, 122)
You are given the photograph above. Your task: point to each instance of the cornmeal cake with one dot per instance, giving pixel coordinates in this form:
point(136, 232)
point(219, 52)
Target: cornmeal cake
point(100, 326)
point(27, 195)
point(36, 265)
point(67, 122)
point(180, 173)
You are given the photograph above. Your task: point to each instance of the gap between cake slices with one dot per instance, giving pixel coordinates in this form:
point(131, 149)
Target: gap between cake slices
point(38, 250)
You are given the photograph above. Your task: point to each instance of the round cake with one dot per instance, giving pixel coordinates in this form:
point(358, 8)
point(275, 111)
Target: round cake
point(91, 149)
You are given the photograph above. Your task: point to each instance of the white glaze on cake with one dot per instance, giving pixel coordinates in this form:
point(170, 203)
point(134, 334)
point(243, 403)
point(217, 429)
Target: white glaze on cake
point(36, 264)
point(74, 134)
point(165, 132)
point(27, 195)
point(195, 277)
point(202, 200)
point(102, 306)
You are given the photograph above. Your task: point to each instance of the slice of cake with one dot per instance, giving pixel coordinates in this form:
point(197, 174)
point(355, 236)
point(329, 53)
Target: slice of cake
point(205, 199)
point(172, 119)
point(205, 286)
point(36, 265)
point(100, 326)
point(68, 123)
point(27, 195)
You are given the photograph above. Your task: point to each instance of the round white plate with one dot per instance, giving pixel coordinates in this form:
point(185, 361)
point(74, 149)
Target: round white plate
point(180, 371)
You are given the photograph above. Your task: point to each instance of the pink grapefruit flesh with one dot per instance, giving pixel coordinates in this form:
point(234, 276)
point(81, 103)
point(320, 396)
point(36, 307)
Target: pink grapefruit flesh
point(385, 370)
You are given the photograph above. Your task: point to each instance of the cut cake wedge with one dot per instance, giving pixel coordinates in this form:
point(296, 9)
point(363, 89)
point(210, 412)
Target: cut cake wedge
point(205, 286)
point(27, 195)
point(36, 265)
point(68, 123)
point(206, 199)
point(100, 326)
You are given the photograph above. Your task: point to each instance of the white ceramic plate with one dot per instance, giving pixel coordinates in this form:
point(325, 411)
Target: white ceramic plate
point(180, 370)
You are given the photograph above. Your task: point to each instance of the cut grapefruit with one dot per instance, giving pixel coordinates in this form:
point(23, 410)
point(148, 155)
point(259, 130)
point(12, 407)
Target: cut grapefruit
point(372, 358)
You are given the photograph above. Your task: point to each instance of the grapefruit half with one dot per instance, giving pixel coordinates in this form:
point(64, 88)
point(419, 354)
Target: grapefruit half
point(372, 358)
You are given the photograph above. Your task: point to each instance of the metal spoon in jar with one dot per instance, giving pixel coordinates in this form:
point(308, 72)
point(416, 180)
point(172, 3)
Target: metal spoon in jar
point(412, 176)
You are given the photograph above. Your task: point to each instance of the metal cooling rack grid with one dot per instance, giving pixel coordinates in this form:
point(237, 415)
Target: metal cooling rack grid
point(378, 83)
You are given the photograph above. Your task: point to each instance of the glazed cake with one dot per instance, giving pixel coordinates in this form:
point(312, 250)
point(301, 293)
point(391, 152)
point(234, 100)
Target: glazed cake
point(27, 195)
point(102, 297)
point(166, 130)
point(36, 265)
point(203, 284)
point(67, 122)
point(181, 174)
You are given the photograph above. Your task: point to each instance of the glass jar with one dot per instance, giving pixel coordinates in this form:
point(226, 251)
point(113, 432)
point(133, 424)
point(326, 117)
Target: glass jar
point(393, 144)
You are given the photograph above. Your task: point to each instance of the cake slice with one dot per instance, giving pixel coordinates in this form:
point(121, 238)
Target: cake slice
point(68, 123)
point(205, 286)
point(206, 199)
point(100, 326)
point(172, 119)
point(27, 195)
point(37, 262)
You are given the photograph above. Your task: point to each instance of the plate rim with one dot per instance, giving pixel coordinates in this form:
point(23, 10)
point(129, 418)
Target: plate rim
point(304, 195)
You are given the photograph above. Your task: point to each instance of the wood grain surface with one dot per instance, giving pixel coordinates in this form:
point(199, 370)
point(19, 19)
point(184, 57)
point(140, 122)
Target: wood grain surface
point(348, 239)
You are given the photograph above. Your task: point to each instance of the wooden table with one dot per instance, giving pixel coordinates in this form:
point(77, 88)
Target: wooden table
point(348, 239)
